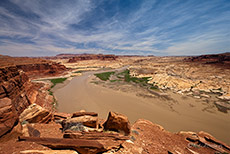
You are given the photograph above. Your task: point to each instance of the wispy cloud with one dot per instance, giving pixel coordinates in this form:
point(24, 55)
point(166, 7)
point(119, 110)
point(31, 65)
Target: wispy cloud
point(39, 28)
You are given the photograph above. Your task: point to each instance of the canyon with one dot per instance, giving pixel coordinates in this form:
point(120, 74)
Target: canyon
point(27, 108)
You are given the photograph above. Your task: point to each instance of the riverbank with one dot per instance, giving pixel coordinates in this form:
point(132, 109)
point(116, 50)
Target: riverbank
point(174, 114)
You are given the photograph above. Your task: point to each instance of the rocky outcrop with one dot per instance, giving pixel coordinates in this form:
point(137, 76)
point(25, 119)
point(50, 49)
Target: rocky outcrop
point(144, 137)
point(34, 67)
point(92, 57)
point(83, 141)
point(117, 122)
point(35, 114)
point(185, 77)
point(8, 115)
point(148, 137)
point(15, 85)
point(223, 58)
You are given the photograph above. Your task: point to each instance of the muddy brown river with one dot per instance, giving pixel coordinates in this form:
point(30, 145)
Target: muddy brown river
point(188, 113)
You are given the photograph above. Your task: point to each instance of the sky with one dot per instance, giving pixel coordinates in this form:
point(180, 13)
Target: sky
point(122, 27)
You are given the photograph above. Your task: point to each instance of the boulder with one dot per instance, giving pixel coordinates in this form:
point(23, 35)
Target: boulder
point(8, 115)
point(86, 120)
point(35, 114)
point(117, 122)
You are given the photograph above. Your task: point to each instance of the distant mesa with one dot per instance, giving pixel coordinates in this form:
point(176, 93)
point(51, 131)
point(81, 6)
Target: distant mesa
point(212, 58)
point(222, 59)
point(92, 57)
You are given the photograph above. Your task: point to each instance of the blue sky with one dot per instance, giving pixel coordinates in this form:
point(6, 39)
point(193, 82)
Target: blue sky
point(140, 27)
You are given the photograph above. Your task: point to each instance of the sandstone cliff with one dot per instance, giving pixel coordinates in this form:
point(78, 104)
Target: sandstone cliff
point(33, 67)
point(17, 92)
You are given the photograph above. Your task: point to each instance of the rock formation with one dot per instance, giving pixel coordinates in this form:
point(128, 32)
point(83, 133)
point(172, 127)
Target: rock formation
point(184, 76)
point(223, 58)
point(17, 92)
point(8, 115)
point(92, 57)
point(35, 114)
point(117, 122)
point(45, 69)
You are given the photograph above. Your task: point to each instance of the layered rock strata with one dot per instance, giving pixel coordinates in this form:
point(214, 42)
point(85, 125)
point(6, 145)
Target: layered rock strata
point(92, 57)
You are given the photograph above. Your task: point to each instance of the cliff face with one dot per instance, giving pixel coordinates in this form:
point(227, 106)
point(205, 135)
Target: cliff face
point(15, 85)
point(15, 96)
point(33, 67)
point(17, 92)
point(42, 69)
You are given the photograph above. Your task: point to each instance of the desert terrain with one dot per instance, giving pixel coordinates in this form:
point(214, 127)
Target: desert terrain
point(155, 104)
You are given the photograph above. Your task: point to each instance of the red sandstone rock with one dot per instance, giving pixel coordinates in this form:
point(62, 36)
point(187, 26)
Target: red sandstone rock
point(60, 116)
point(117, 122)
point(92, 57)
point(94, 135)
point(45, 69)
point(80, 145)
point(79, 114)
point(35, 114)
point(221, 60)
point(8, 115)
point(148, 137)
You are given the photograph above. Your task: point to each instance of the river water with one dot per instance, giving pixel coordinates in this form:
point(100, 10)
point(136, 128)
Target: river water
point(187, 114)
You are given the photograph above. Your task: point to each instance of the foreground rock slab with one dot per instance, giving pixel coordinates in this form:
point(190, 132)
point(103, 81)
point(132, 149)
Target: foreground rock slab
point(83, 146)
point(151, 138)
point(49, 152)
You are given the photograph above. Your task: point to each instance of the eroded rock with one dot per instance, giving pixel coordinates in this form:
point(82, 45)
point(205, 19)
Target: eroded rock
point(85, 120)
point(8, 115)
point(35, 114)
point(49, 152)
point(117, 122)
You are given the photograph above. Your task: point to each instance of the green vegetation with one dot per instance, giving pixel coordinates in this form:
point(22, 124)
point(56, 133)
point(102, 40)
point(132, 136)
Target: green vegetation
point(154, 87)
point(114, 80)
point(78, 71)
point(56, 81)
point(104, 76)
point(126, 77)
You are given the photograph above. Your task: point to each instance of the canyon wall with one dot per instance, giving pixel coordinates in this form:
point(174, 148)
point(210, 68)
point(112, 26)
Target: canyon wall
point(17, 91)
point(42, 69)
